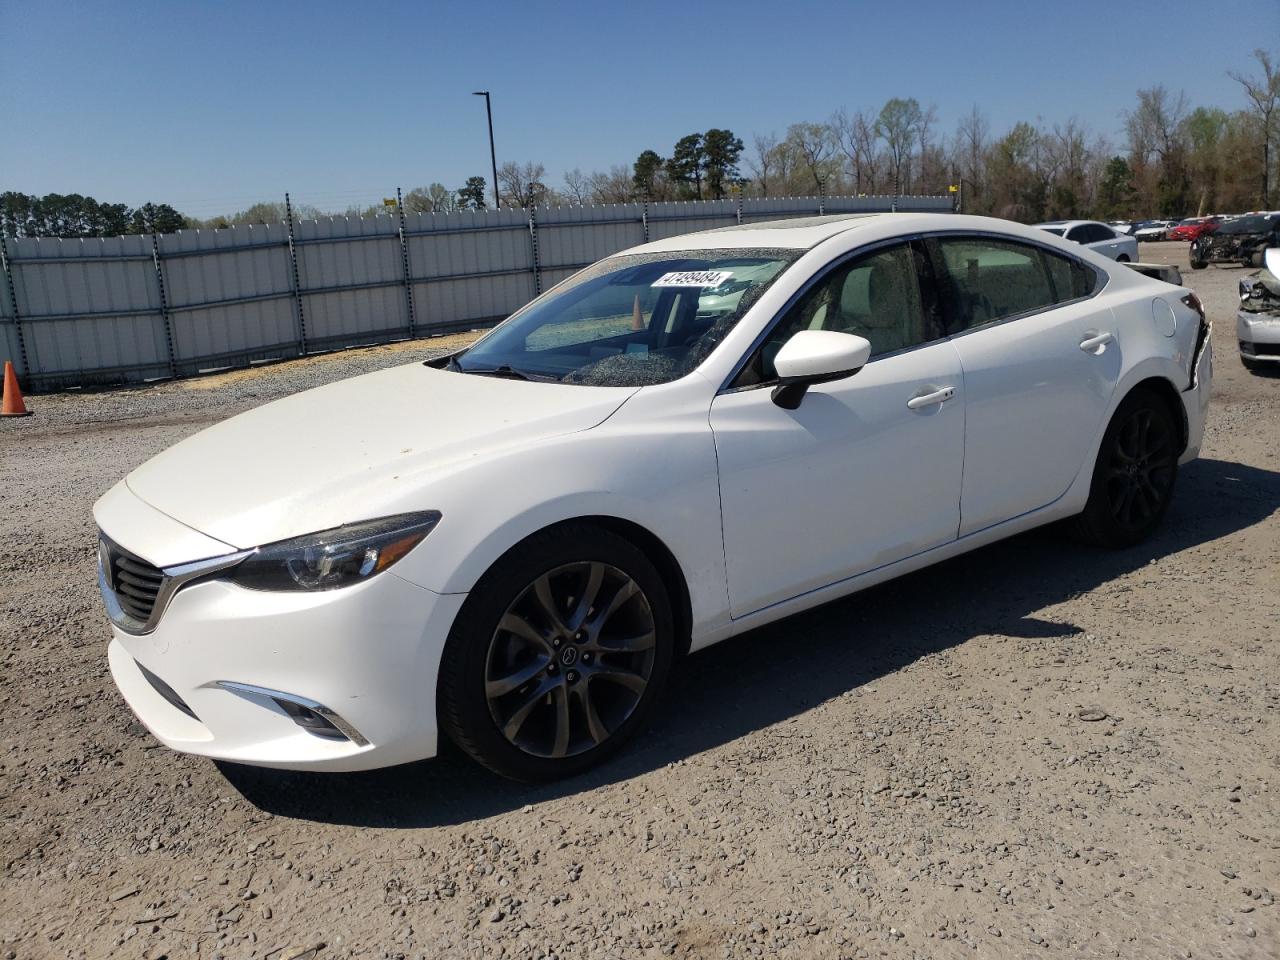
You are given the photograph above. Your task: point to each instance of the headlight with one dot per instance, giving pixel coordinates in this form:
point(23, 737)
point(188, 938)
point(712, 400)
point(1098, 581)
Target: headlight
point(334, 558)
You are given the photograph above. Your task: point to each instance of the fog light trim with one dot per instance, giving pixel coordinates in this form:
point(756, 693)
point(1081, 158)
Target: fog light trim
point(311, 715)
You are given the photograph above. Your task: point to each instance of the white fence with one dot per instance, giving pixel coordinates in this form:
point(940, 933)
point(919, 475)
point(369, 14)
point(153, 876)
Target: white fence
point(132, 309)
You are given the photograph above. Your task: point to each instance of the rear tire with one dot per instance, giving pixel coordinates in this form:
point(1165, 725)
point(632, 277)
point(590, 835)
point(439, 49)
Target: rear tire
point(558, 654)
point(1134, 476)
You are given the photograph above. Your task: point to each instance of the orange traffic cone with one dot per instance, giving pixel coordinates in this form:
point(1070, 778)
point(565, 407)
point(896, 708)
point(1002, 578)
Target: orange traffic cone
point(12, 405)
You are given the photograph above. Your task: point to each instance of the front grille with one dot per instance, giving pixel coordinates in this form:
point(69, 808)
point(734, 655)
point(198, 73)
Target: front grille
point(135, 583)
point(1266, 349)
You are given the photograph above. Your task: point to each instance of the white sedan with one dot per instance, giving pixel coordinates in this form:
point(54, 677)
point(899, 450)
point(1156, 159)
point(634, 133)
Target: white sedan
point(1098, 237)
point(514, 544)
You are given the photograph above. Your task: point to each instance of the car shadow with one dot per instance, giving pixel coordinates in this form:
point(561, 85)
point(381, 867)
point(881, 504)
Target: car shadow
point(779, 671)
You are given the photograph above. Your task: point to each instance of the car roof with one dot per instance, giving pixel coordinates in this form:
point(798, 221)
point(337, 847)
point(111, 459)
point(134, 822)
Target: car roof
point(1066, 224)
point(807, 233)
point(799, 233)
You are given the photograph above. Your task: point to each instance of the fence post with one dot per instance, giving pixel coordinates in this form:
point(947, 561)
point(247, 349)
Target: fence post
point(644, 216)
point(297, 284)
point(164, 304)
point(822, 196)
point(533, 240)
point(738, 191)
point(404, 260)
point(13, 298)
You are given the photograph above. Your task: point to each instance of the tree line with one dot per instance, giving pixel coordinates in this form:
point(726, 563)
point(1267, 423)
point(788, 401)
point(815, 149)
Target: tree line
point(1174, 160)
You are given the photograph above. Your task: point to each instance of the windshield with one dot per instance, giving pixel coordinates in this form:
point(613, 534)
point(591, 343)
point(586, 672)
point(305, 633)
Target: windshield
point(630, 321)
point(1246, 225)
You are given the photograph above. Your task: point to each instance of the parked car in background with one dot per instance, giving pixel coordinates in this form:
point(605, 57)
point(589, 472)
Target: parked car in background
point(1122, 226)
point(616, 475)
point(1240, 240)
point(1194, 227)
point(1258, 319)
point(1096, 236)
point(1149, 230)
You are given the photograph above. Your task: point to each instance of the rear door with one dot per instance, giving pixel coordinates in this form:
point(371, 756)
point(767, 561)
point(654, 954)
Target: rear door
point(1040, 360)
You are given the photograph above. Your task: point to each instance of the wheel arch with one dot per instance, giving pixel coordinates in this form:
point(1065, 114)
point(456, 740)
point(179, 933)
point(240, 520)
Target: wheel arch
point(653, 546)
point(1164, 388)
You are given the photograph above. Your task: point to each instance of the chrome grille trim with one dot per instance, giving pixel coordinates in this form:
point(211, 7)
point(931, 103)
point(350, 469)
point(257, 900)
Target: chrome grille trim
point(137, 593)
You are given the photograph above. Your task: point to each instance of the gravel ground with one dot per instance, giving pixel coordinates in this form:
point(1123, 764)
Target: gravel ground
point(1036, 750)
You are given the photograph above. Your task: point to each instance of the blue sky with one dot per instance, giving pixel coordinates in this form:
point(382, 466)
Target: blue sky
point(210, 106)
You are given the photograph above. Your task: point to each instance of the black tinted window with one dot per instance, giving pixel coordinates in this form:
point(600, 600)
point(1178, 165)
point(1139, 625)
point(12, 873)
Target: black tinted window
point(1070, 278)
point(986, 279)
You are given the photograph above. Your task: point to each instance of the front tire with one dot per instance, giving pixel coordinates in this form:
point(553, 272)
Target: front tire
point(558, 654)
point(1134, 476)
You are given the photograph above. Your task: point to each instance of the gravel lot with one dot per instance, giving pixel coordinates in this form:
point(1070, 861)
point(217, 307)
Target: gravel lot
point(906, 773)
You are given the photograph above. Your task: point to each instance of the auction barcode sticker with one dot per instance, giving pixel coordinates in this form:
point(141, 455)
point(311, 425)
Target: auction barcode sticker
point(694, 278)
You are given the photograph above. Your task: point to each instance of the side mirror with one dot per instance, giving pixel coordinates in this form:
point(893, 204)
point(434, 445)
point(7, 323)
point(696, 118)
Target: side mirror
point(816, 356)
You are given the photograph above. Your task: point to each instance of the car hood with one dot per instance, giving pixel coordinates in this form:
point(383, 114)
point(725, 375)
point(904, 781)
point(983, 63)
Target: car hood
point(353, 450)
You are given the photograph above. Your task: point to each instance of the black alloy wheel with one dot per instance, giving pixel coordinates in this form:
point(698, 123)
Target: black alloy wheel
point(1134, 476)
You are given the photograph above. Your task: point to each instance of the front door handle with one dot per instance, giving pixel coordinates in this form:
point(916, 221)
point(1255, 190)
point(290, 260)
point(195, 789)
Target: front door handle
point(928, 399)
point(1096, 343)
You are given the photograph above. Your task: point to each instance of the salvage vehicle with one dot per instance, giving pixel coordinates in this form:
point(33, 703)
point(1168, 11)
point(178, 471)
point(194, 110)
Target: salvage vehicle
point(1149, 230)
point(1194, 227)
point(1241, 240)
point(1096, 236)
point(516, 544)
point(1258, 319)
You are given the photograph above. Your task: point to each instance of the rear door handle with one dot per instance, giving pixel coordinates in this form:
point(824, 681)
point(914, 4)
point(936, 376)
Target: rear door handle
point(928, 399)
point(1095, 343)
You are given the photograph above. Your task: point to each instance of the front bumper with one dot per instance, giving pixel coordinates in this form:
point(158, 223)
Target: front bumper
point(369, 653)
point(1259, 336)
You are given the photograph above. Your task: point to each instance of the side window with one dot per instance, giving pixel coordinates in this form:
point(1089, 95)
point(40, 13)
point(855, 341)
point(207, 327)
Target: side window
point(1079, 234)
point(1070, 278)
point(986, 279)
point(876, 296)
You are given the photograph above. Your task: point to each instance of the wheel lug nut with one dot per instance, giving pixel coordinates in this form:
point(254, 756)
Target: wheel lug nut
point(556, 642)
point(586, 658)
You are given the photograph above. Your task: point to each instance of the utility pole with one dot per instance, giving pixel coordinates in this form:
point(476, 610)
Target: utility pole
point(493, 154)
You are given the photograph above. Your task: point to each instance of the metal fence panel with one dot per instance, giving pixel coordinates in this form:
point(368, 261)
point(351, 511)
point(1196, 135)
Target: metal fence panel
point(133, 308)
point(229, 294)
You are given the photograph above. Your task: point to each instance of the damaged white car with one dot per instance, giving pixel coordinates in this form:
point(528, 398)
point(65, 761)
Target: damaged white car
point(515, 545)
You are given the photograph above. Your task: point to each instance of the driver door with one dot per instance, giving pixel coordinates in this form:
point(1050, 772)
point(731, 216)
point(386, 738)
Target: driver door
point(867, 470)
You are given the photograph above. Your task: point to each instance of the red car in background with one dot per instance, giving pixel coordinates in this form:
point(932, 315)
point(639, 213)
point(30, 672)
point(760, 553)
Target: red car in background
point(1194, 228)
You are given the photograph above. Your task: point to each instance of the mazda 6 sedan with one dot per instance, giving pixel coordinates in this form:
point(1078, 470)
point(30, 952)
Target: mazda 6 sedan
point(513, 545)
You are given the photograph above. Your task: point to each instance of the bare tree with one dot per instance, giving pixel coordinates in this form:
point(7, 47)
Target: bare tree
point(898, 125)
point(614, 186)
point(522, 185)
point(763, 166)
point(855, 137)
point(813, 143)
point(436, 198)
point(1265, 95)
point(972, 143)
point(577, 186)
point(1155, 127)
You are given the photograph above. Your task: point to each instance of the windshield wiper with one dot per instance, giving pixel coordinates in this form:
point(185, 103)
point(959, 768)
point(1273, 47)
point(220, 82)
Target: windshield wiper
point(506, 371)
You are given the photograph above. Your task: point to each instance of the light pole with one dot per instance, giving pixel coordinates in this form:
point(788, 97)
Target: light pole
point(493, 154)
